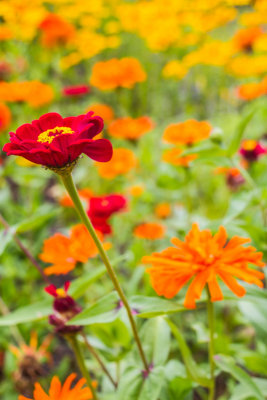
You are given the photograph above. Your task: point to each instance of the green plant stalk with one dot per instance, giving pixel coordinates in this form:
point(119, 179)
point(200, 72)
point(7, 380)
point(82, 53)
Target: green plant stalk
point(72, 191)
point(210, 310)
point(72, 339)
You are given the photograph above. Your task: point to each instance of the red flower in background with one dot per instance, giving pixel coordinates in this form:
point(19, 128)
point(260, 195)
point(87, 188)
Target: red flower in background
point(76, 90)
point(251, 150)
point(57, 142)
point(101, 208)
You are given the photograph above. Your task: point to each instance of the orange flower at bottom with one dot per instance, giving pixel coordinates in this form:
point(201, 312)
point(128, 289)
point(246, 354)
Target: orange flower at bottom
point(201, 258)
point(62, 392)
point(173, 156)
point(151, 231)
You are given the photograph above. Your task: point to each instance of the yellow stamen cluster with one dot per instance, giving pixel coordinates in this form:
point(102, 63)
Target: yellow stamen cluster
point(249, 145)
point(61, 292)
point(49, 135)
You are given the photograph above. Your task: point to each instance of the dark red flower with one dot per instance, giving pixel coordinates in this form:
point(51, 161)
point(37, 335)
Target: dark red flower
point(101, 208)
point(65, 308)
point(57, 142)
point(251, 150)
point(76, 90)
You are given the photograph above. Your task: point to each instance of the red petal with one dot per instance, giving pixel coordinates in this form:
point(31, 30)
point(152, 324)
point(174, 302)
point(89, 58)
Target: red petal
point(99, 150)
point(48, 121)
point(27, 131)
point(90, 127)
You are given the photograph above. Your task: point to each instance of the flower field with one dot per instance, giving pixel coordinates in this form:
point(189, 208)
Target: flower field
point(133, 200)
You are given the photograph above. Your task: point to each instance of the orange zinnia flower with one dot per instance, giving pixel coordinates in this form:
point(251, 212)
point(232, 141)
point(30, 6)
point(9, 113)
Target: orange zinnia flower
point(56, 31)
point(149, 230)
point(56, 251)
point(188, 132)
point(123, 160)
point(82, 245)
point(130, 128)
point(114, 73)
point(163, 210)
point(64, 252)
point(202, 258)
point(245, 38)
point(136, 190)
point(251, 91)
point(62, 392)
point(103, 110)
point(5, 117)
point(35, 93)
point(173, 157)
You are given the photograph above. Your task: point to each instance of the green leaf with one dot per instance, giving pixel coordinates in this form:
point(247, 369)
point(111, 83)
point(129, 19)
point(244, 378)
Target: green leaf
point(240, 130)
point(149, 307)
point(153, 334)
point(79, 286)
point(241, 392)
point(6, 236)
point(227, 364)
point(29, 313)
point(133, 386)
point(237, 206)
point(191, 366)
point(256, 313)
point(103, 311)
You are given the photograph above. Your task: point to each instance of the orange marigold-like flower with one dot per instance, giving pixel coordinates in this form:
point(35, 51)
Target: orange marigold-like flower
point(173, 156)
point(123, 161)
point(5, 117)
point(163, 210)
point(150, 231)
point(82, 245)
point(103, 110)
point(35, 93)
point(188, 132)
point(56, 251)
point(251, 91)
point(56, 31)
point(130, 128)
point(64, 252)
point(245, 38)
point(114, 73)
point(62, 392)
point(201, 259)
point(136, 190)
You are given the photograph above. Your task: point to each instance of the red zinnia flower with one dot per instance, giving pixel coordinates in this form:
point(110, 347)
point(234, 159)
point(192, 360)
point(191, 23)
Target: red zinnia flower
point(101, 208)
point(57, 142)
point(76, 90)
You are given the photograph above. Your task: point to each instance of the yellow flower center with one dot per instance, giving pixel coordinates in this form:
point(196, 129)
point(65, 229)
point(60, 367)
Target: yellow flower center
point(249, 145)
point(61, 292)
point(49, 135)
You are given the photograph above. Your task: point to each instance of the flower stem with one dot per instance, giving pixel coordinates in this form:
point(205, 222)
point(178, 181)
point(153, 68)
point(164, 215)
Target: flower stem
point(210, 310)
point(72, 191)
point(94, 354)
point(80, 361)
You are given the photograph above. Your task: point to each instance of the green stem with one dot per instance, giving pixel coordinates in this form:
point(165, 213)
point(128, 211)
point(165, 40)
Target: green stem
point(210, 310)
point(71, 189)
point(80, 361)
